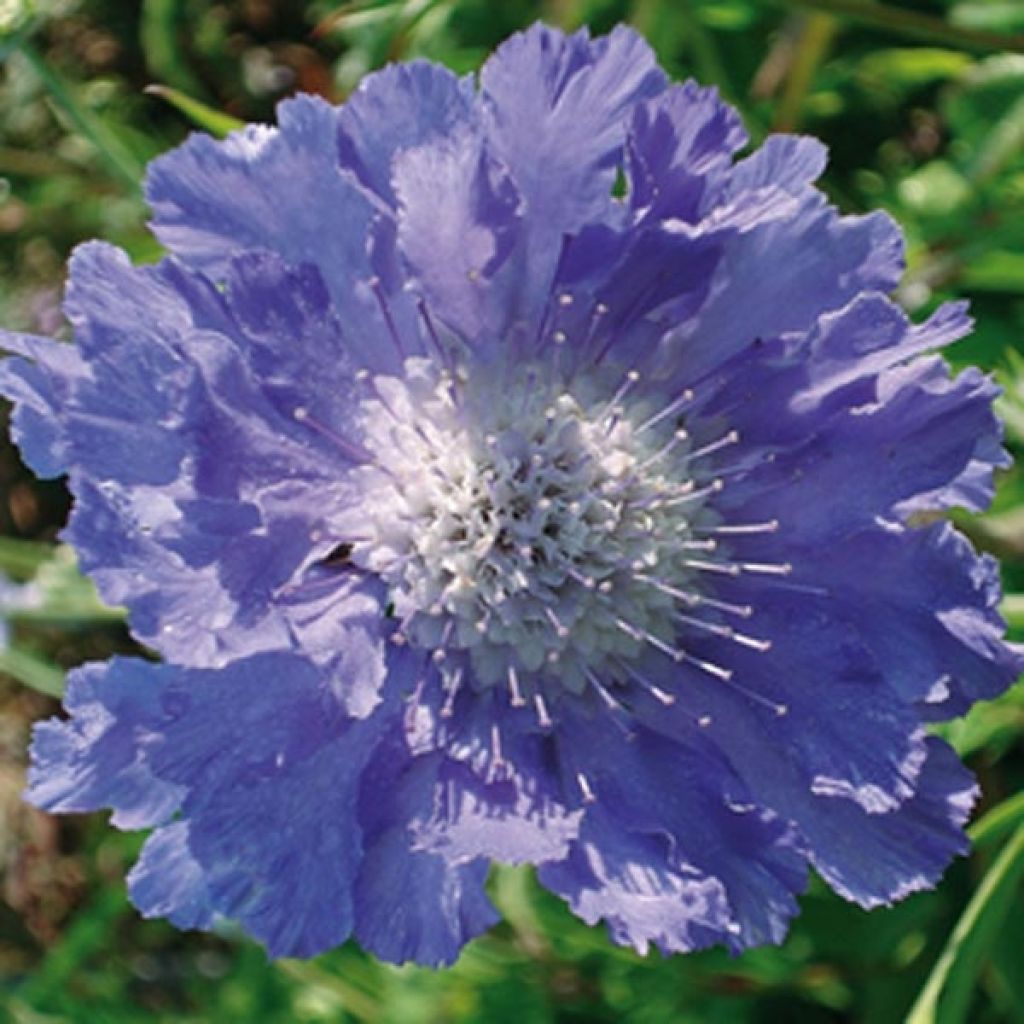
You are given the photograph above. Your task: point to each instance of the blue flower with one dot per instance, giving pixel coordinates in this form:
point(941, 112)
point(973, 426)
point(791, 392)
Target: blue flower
point(481, 514)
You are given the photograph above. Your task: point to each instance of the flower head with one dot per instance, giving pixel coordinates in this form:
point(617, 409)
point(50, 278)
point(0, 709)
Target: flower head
point(479, 513)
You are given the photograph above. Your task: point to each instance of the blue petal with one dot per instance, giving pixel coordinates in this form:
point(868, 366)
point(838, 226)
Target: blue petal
point(272, 768)
point(199, 493)
point(536, 164)
point(827, 411)
point(212, 199)
point(557, 108)
point(38, 385)
point(629, 881)
point(416, 906)
point(792, 260)
point(817, 692)
point(168, 882)
point(899, 853)
point(337, 621)
point(94, 760)
point(400, 107)
point(491, 790)
point(929, 612)
point(459, 227)
point(675, 140)
point(640, 863)
point(411, 904)
point(897, 849)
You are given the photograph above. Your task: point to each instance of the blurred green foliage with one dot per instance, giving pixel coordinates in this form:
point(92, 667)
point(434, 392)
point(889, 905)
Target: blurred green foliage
point(922, 104)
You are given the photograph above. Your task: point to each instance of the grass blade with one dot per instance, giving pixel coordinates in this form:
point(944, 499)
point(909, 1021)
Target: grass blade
point(120, 160)
point(32, 672)
point(946, 996)
point(202, 116)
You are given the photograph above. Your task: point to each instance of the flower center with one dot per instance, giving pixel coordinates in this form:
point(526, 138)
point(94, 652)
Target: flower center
point(539, 536)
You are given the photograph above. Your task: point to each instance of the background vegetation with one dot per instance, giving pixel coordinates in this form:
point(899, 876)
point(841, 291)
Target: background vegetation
point(922, 104)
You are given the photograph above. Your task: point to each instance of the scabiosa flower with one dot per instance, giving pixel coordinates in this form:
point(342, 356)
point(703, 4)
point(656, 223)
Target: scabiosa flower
point(481, 510)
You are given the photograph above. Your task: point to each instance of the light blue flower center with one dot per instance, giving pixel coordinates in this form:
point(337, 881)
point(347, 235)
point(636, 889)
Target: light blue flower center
point(530, 532)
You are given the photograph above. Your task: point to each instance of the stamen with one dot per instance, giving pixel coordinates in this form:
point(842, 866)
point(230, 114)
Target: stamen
point(708, 627)
point(754, 643)
point(655, 691)
point(714, 487)
point(743, 528)
point(584, 784)
point(656, 642)
point(378, 291)
point(725, 674)
point(700, 545)
point(587, 582)
point(766, 569)
point(517, 700)
point(744, 611)
point(674, 406)
point(726, 568)
point(689, 597)
point(560, 628)
point(356, 452)
point(723, 442)
point(678, 436)
point(497, 761)
point(606, 696)
point(448, 708)
point(543, 718)
point(780, 710)
point(632, 376)
point(435, 338)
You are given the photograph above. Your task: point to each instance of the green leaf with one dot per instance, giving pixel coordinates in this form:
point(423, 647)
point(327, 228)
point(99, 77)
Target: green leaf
point(990, 15)
point(23, 558)
point(120, 160)
point(32, 671)
point(160, 29)
point(1003, 818)
point(946, 996)
point(937, 190)
point(216, 122)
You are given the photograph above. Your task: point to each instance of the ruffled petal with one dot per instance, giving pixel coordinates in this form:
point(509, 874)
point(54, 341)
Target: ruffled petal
point(412, 904)
point(899, 853)
point(812, 688)
point(94, 760)
point(676, 141)
point(557, 109)
point(211, 199)
point(201, 458)
point(399, 108)
point(459, 228)
point(167, 881)
point(272, 769)
point(489, 785)
point(38, 384)
point(793, 260)
point(337, 620)
point(640, 864)
point(929, 612)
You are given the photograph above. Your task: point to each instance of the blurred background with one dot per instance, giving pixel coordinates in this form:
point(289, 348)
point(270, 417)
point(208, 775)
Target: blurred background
point(922, 105)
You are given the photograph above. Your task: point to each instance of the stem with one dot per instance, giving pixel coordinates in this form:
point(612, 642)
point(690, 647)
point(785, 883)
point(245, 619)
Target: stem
point(118, 158)
point(923, 26)
point(956, 969)
point(816, 37)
